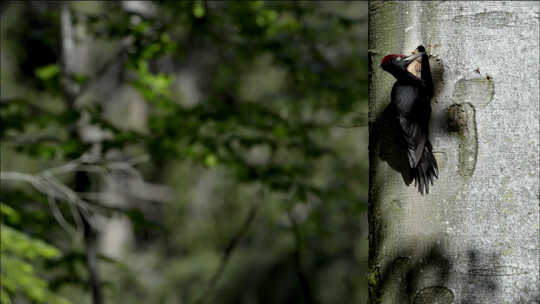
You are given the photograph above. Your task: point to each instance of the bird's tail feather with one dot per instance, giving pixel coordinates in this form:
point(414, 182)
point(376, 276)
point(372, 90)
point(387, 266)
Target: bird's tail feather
point(426, 170)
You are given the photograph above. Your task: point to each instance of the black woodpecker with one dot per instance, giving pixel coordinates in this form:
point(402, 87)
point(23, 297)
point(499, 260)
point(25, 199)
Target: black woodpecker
point(411, 99)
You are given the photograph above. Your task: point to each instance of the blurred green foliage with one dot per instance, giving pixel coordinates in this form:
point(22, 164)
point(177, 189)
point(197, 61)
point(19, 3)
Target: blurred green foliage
point(277, 82)
point(19, 253)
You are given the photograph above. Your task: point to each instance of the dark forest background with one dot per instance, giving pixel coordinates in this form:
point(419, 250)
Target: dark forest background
point(183, 152)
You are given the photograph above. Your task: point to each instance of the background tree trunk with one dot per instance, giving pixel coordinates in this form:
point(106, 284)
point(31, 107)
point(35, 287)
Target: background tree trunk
point(474, 238)
point(71, 64)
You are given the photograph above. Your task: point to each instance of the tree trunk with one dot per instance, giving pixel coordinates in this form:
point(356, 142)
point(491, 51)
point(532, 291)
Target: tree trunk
point(475, 237)
point(70, 66)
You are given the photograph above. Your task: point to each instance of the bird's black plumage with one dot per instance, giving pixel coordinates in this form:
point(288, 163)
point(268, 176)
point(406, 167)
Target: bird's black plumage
point(411, 99)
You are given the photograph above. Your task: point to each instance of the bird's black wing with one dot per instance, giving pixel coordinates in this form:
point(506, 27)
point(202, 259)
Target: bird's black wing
point(412, 121)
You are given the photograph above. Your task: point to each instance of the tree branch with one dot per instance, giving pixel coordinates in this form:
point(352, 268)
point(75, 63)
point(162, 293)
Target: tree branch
point(297, 255)
point(233, 242)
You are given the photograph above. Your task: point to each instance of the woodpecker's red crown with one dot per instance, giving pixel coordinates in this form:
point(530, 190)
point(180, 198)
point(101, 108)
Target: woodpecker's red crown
point(391, 57)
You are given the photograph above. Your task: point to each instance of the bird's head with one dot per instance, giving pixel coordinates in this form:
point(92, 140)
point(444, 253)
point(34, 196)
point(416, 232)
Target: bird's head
point(396, 64)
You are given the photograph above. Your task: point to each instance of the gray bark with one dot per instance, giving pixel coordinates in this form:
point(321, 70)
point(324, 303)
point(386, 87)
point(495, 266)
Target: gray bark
point(70, 66)
point(475, 237)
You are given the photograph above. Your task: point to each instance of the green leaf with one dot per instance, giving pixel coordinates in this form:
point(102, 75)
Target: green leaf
point(47, 72)
point(11, 215)
point(19, 270)
point(22, 245)
point(80, 79)
point(210, 160)
point(4, 297)
point(280, 131)
point(198, 10)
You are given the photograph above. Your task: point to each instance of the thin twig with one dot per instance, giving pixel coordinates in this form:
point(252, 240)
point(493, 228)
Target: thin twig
point(27, 140)
point(233, 242)
point(54, 189)
point(302, 277)
point(59, 217)
point(47, 183)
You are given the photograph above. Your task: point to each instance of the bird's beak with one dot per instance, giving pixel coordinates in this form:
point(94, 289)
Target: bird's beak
point(411, 58)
